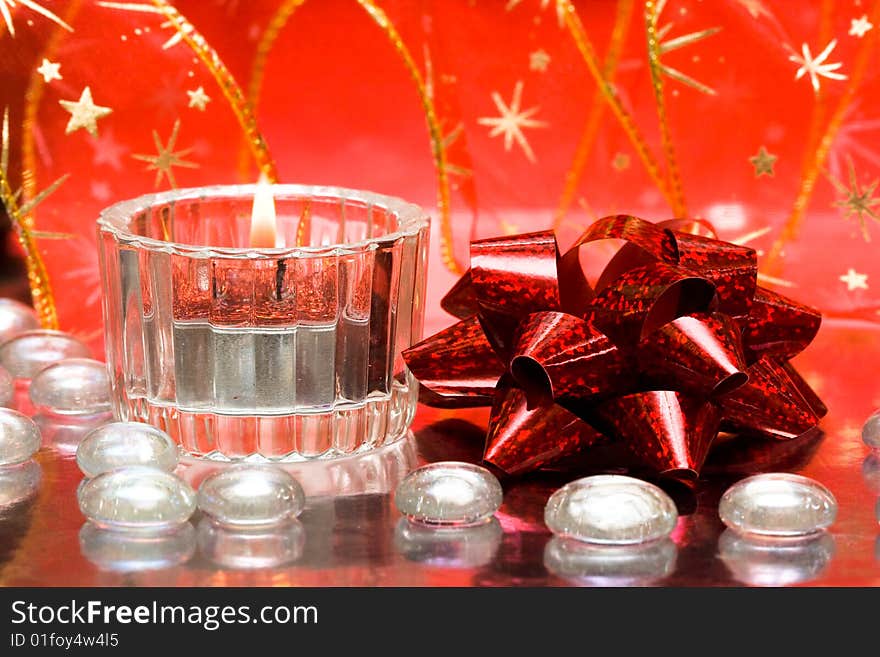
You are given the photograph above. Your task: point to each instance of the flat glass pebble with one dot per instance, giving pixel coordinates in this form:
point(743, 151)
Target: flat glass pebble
point(7, 387)
point(137, 551)
point(610, 509)
point(449, 493)
point(26, 354)
point(18, 483)
point(19, 437)
point(137, 497)
point(266, 547)
point(777, 504)
point(120, 444)
point(74, 386)
point(15, 318)
point(871, 431)
point(251, 495)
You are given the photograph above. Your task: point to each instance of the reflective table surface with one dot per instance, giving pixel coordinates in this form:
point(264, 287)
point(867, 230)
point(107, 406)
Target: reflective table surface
point(351, 535)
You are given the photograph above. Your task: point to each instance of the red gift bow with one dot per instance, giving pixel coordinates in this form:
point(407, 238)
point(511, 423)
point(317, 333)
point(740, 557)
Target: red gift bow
point(675, 342)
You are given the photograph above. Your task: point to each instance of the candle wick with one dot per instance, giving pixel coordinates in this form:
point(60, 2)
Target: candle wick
point(279, 278)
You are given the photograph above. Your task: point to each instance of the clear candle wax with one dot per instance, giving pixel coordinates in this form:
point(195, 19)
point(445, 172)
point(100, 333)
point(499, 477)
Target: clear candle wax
point(286, 353)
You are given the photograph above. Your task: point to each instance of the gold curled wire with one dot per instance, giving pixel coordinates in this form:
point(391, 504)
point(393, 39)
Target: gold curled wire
point(588, 52)
point(258, 68)
point(815, 163)
point(38, 278)
point(679, 207)
point(594, 119)
point(380, 18)
point(228, 85)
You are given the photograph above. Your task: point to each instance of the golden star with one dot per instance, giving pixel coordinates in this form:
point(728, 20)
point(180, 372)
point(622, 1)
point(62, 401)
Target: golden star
point(198, 98)
point(539, 60)
point(763, 162)
point(84, 113)
point(166, 158)
point(620, 162)
point(512, 121)
point(859, 201)
point(854, 280)
point(49, 71)
point(107, 150)
point(859, 26)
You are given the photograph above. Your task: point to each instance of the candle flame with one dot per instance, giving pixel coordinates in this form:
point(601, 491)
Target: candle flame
point(264, 233)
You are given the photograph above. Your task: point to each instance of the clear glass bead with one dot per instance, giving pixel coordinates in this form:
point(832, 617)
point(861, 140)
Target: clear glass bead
point(778, 504)
point(610, 509)
point(15, 318)
point(19, 437)
point(7, 387)
point(268, 547)
point(770, 562)
point(74, 386)
point(18, 483)
point(449, 493)
point(137, 497)
point(449, 547)
point(610, 565)
point(251, 495)
point(871, 431)
point(135, 551)
point(120, 444)
point(26, 354)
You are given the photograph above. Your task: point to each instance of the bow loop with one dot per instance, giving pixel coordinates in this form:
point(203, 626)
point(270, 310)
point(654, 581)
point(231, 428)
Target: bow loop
point(676, 341)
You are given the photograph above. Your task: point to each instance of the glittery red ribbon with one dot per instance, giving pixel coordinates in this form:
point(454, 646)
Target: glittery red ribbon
point(675, 341)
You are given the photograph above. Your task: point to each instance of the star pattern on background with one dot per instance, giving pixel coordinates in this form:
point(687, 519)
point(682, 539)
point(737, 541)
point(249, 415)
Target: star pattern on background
point(620, 162)
point(680, 42)
point(854, 280)
point(859, 26)
point(107, 150)
point(10, 198)
point(100, 190)
point(198, 98)
point(84, 113)
point(560, 8)
point(539, 60)
point(179, 32)
point(755, 7)
point(448, 140)
point(166, 157)
point(512, 120)
point(6, 5)
point(815, 66)
point(859, 201)
point(852, 139)
point(49, 71)
point(763, 162)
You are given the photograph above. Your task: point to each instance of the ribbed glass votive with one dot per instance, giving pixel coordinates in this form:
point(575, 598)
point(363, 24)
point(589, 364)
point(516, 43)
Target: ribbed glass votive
point(288, 353)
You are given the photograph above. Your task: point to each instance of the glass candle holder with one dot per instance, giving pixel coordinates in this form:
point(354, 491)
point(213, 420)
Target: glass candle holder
point(287, 353)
